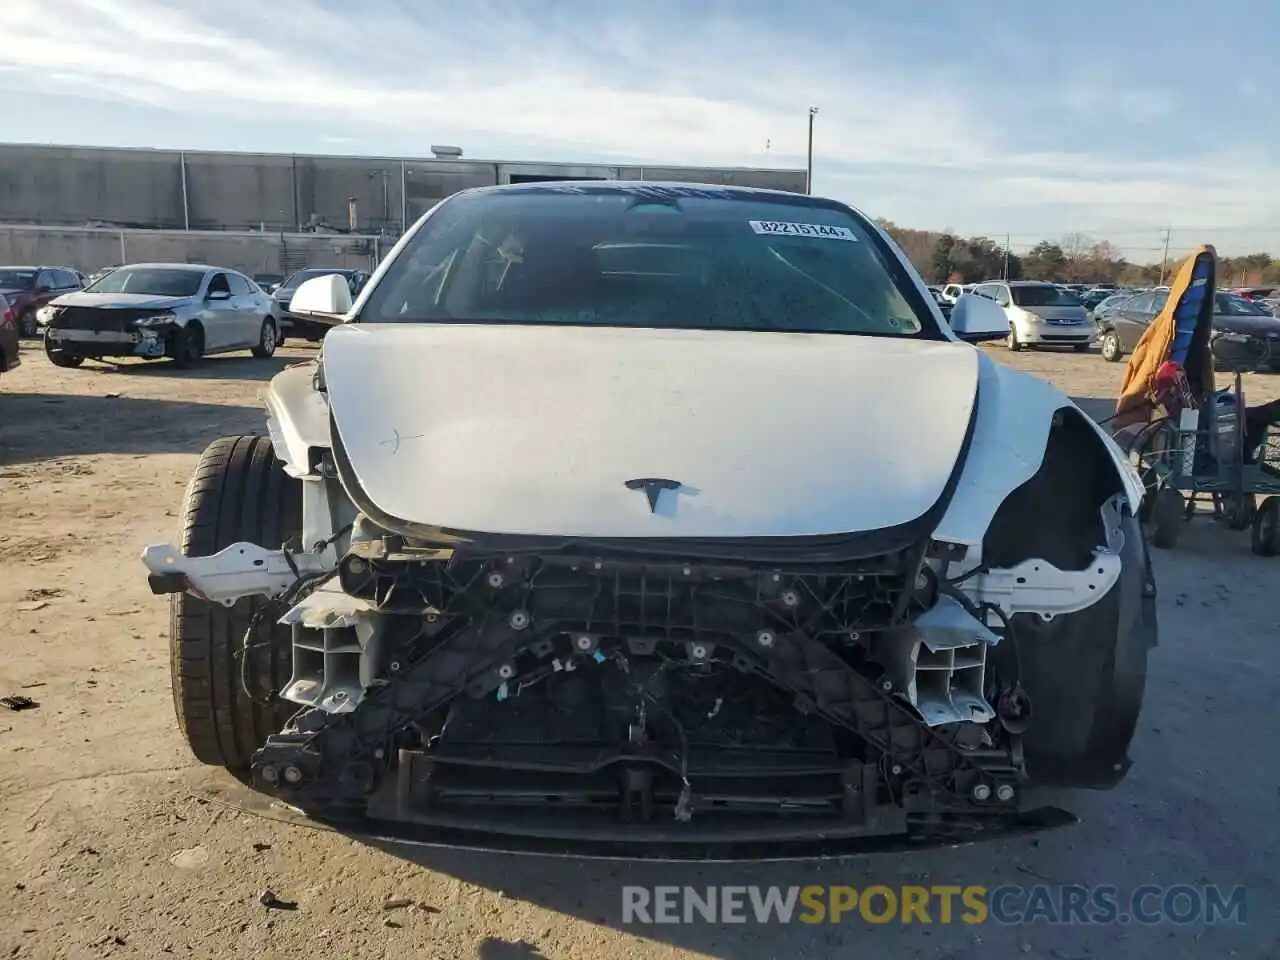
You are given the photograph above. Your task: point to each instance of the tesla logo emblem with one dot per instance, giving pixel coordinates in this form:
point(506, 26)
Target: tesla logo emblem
point(653, 487)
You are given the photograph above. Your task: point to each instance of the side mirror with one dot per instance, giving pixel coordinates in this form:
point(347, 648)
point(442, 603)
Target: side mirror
point(328, 296)
point(975, 318)
point(219, 295)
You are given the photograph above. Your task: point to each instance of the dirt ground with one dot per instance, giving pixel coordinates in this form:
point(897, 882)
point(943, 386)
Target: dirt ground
point(114, 843)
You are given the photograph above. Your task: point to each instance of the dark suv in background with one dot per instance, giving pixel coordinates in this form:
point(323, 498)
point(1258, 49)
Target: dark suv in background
point(306, 328)
point(29, 288)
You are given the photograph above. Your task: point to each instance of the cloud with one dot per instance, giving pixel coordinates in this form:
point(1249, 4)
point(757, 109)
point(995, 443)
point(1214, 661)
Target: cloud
point(900, 132)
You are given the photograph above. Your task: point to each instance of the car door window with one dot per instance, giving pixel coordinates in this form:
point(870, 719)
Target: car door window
point(218, 284)
point(1158, 302)
point(239, 286)
point(1140, 305)
point(1001, 295)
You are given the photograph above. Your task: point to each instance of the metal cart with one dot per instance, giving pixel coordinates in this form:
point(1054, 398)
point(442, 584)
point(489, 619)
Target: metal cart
point(1212, 452)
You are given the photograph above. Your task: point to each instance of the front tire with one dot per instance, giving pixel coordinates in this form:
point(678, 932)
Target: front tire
point(1012, 342)
point(61, 358)
point(27, 325)
point(267, 340)
point(186, 346)
point(1110, 344)
point(1086, 674)
point(239, 492)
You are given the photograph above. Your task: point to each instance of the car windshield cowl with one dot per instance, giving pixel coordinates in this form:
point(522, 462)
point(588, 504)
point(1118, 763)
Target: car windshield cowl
point(651, 256)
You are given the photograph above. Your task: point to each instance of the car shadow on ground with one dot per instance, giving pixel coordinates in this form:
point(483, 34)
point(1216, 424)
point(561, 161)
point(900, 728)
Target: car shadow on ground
point(593, 891)
point(40, 426)
point(229, 367)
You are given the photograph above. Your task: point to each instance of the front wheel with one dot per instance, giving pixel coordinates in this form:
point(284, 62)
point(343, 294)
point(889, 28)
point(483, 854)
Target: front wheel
point(186, 346)
point(61, 358)
point(1085, 675)
point(267, 341)
point(27, 325)
point(1110, 345)
point(1013, 343)
point(239, 492)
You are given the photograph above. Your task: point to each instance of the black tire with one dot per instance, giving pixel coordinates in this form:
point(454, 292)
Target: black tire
point(1266, 528)
point(239, 492)
point(60, 358)
point(1085, 673)
point(186, 346)
point(27, 326)
point(1110, 347)
point(1012, 341)
point(1168, 514)
point(268, 339)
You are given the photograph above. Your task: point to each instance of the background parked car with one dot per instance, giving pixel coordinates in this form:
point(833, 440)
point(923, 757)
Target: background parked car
point(1040, 314)
point(10, 352)
point(152, 310)
point(1246, 324)
point(29, 288)
point(306, 327)
point(269, 282)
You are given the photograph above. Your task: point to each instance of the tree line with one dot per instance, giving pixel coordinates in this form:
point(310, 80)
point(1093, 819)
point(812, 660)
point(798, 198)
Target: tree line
point(947, 258)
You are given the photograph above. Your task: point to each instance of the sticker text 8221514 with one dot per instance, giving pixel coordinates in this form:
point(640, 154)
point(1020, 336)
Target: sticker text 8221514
point(788, 229)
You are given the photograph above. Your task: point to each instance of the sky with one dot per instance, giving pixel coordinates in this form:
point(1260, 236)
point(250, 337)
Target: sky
point(1116, 119)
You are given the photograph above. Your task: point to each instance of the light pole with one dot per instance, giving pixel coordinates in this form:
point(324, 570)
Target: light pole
point(808, 177)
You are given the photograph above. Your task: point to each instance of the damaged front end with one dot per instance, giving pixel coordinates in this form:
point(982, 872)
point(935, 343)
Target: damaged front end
point(620, 695)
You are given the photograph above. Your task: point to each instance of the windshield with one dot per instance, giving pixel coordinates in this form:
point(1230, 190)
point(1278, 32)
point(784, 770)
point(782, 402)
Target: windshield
point(1045, 295)
point(665, 257)
point(155, 281)
point(1234, 305)
point(17, 279)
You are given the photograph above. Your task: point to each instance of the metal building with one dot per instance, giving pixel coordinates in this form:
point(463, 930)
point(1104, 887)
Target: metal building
point(204, 190)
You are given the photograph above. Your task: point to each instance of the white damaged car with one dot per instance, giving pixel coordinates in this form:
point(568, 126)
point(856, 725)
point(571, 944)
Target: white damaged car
point(660, 520)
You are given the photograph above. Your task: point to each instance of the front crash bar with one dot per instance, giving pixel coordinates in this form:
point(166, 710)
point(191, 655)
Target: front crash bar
point(240, 570)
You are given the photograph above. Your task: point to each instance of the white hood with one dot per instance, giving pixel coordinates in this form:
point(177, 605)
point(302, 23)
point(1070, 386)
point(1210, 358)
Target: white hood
point(536, 430)
point(131, 301)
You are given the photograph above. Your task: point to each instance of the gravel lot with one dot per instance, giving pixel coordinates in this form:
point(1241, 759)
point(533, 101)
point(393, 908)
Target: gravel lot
point(114, 843)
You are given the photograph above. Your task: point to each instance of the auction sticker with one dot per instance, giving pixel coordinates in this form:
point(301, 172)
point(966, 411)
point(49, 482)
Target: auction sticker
point(788, 229)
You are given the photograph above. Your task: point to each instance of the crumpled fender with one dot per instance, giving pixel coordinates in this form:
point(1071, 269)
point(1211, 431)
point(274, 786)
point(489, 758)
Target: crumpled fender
point(1015, 413)
point(297, 418)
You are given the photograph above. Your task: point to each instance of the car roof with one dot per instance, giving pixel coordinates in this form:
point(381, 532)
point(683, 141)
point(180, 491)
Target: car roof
point(173, 266)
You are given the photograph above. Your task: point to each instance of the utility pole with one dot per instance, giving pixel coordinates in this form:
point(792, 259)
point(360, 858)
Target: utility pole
point(1164, 260)
point(1007, 239)
point(808, 178)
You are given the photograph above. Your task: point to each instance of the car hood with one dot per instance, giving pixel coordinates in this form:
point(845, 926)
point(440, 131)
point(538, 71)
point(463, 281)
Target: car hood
point(1076, 314)
point(133, 301)
point(536, 430)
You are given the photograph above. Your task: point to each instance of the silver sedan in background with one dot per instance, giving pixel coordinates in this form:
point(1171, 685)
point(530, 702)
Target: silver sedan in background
point(153, 310)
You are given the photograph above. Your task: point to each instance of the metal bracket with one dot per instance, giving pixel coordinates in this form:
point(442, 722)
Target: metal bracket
point(240, 570)
point(1037, 586)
